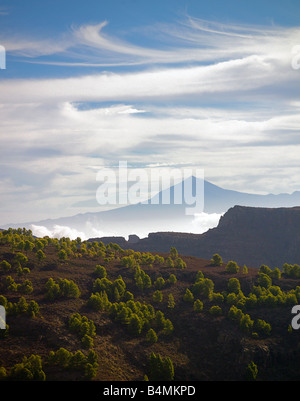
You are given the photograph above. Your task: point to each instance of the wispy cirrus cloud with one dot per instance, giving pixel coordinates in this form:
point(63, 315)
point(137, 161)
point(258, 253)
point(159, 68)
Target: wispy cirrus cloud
point(247, 78)
point(192, 59)
point(190, 40)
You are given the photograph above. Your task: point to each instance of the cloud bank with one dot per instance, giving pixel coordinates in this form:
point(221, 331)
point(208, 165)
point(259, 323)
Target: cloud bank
point(57, 232)
point(202, 222)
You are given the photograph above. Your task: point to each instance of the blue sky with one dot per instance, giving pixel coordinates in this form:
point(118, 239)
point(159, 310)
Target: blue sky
point(208, 84)
point(38, 20)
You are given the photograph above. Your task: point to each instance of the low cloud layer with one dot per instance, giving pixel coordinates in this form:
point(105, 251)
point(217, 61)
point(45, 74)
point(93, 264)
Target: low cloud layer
point(57, 232)
point(202, 222)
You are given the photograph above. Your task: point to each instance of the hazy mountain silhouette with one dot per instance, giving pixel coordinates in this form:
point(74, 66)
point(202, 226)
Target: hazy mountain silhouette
point(156, 216)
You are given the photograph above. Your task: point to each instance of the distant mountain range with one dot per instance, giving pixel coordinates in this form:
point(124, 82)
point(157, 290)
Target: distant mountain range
point(247, 235)
point(145, 218)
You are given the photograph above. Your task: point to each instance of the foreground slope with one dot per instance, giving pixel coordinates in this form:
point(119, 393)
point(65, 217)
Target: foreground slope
point(232, 327)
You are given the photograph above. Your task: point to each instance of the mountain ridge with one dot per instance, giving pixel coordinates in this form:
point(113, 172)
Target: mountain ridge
point(247, 235)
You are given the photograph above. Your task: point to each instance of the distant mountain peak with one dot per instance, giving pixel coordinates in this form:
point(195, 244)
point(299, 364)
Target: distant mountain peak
point(142, 218)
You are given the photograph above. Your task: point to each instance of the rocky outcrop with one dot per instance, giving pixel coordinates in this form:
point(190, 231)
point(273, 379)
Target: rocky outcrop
point(256, 236)
point(247, 235)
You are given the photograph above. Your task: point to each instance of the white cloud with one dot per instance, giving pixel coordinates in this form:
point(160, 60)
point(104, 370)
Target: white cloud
point(201, 223)
point(204, 221)
point(57, 232)
point(247, 76)
point(190, 40)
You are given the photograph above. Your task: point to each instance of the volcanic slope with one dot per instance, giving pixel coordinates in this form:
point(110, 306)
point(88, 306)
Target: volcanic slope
point(46, 284)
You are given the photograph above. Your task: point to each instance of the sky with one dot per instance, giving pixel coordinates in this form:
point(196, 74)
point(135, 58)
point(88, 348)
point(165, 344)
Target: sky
point(213, 85)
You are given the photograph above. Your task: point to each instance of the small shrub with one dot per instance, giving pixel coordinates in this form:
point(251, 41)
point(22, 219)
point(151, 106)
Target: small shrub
point(151, 336)
point(188, 296)
point(198, 305)
point(251, 371)
point(216, 260)
point(215, 310)
point(232, 267)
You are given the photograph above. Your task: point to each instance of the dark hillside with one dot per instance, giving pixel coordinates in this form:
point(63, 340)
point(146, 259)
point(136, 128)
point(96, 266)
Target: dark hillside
point(203, 345)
